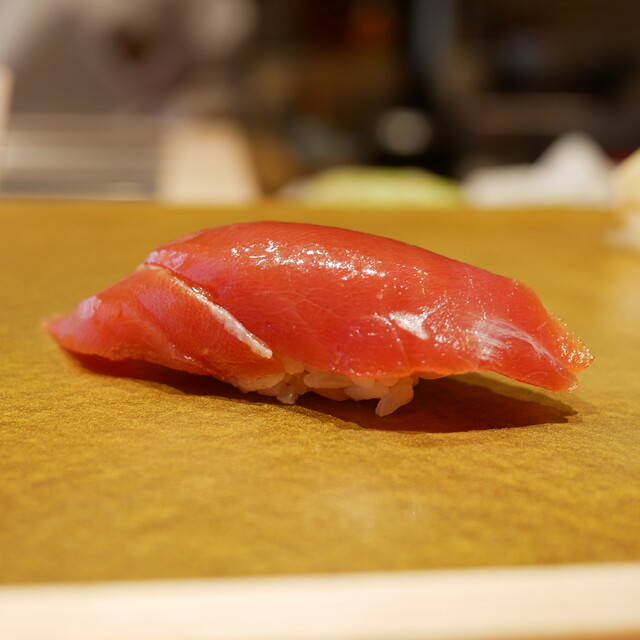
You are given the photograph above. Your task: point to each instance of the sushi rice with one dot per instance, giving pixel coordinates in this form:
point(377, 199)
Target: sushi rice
point(297, 380)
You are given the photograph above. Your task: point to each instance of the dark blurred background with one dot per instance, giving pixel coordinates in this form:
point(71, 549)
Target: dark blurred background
point(440, 84)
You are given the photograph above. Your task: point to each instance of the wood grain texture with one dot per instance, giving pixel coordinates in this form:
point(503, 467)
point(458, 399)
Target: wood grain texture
point(136, 472)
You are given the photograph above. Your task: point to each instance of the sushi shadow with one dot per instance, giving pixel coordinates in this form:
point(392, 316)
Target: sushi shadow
point(472, 402)
point(455, 404)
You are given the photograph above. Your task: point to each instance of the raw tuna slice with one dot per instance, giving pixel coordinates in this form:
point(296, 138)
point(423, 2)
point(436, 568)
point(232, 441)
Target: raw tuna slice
point(284, 308)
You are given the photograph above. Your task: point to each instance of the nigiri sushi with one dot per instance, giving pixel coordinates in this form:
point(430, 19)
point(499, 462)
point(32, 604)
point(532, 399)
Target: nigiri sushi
point(285, 308)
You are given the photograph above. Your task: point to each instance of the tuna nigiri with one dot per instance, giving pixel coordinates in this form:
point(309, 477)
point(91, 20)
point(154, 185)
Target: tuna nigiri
point(285, 308)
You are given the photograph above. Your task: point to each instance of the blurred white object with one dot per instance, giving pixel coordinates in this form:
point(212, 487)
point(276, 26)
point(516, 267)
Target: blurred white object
point(114, 56)
point(626, 178)
point(596, 602)
point(206, 162)
point(572, 171)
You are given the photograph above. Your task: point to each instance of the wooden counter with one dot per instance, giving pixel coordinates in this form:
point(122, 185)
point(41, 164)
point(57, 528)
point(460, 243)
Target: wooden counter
point(118, 472)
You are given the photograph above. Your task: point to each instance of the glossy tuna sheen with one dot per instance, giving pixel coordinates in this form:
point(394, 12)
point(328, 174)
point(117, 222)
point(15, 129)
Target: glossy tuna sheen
point(251, 303)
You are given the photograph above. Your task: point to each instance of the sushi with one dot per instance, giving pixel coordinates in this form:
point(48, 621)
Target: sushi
point(286, 308)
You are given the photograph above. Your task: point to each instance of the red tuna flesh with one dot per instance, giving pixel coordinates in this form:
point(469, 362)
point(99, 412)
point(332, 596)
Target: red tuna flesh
point(232, 301)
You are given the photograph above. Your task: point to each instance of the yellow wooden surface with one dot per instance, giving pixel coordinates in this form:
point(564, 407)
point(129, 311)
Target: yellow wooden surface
point(110, 472)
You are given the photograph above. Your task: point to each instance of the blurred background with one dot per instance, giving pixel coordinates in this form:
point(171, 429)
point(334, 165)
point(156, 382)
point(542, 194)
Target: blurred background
point(232, 100)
